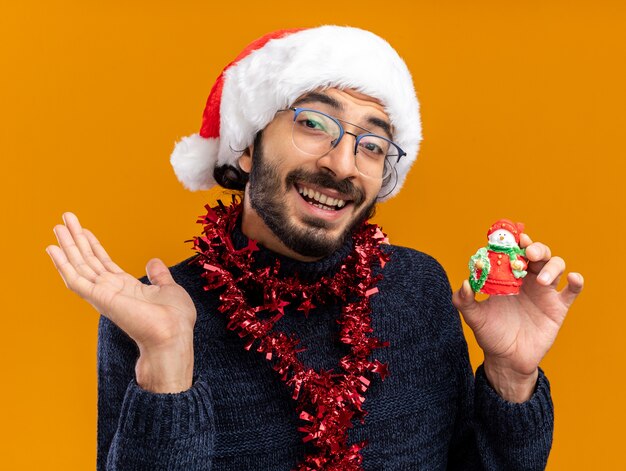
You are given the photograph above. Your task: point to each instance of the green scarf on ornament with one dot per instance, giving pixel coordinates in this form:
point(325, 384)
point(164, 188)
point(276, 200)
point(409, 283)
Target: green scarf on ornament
point(478, 282)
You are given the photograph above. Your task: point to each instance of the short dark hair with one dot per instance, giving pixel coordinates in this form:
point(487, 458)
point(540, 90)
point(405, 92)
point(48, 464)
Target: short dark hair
point(232, 177)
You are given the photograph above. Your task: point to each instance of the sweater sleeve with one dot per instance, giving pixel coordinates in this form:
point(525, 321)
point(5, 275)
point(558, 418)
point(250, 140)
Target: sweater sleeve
point(140, 430)
point(490, 433)
point(523, 430)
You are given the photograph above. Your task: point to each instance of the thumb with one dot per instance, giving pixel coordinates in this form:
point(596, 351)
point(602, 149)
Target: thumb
point(465, 302)
point(158, 273)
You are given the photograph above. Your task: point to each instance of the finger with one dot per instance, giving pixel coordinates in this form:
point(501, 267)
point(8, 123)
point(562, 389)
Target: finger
point(464, 300)
point(72, 223)
point(102, 254)
point(538, 255)
point(72, 253)
point(72, 279)
point(158, 273)
point(551, 272)
point(524, 240)
point(537, 251)
point(575, 282)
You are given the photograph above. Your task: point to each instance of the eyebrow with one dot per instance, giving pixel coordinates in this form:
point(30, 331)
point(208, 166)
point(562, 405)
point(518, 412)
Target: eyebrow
point(336, 105)
point(381, 123)
point(321, 98)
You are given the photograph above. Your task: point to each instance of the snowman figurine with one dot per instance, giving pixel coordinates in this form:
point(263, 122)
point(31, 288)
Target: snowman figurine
point(499, 267)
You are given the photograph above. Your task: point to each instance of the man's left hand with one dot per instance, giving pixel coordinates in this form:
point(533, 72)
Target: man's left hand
point(515, 332)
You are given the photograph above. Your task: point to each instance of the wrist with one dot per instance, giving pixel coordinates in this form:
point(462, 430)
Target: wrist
point(165, 371)
point(511, 385)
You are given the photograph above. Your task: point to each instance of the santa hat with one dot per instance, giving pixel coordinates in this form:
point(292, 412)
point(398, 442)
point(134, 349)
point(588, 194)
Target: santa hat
point(514, 228)
point(276, 69)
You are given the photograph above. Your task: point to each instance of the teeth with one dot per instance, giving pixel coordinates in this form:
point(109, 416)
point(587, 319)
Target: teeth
point(324, 200)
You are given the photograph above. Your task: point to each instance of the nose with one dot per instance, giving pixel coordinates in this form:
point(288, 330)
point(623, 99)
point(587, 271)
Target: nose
point(341, 160)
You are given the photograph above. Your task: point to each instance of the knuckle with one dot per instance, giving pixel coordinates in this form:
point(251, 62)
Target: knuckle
point(83, 267)
point(92, 258)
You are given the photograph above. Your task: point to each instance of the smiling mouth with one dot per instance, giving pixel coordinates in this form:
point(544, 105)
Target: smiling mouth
point(320, 200)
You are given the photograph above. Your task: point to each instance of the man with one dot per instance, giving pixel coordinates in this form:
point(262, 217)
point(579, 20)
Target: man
point(296, 338)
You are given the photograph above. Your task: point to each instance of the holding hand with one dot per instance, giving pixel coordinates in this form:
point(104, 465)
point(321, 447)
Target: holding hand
point(160, 317)
point(515, 332)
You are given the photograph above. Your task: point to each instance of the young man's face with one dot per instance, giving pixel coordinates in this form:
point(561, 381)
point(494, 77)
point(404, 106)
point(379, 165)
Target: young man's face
point(276, 211)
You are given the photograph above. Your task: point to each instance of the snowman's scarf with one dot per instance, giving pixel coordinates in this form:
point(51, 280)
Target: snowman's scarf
point(512, 252)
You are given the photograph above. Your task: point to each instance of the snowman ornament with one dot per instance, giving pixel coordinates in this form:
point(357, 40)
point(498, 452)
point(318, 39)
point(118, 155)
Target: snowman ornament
point(498, 268)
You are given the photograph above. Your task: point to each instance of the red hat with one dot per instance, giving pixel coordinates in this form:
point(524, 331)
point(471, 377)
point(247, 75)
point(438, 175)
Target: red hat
point(273, 71)
point(514, 228)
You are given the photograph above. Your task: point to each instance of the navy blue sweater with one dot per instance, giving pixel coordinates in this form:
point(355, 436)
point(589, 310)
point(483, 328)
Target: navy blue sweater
point(431, 413)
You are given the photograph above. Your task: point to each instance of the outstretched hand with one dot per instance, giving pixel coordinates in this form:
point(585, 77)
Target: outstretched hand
point(160, 317)
point(515, 332)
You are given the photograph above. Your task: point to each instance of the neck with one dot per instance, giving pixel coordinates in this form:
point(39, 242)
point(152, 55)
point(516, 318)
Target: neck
point(254, 228)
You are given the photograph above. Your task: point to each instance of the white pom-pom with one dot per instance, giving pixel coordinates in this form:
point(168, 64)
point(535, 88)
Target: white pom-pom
point(194, 159)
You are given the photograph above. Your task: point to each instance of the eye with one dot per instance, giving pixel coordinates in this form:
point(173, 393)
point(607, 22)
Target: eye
point(374, 146)
point(370, 146)
point(311, 123)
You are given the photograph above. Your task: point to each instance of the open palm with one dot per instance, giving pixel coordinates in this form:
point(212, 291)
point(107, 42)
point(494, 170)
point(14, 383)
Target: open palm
point(152, 315)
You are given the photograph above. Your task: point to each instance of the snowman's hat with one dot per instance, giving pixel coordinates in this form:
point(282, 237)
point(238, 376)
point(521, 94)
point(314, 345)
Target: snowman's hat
point(515, 228)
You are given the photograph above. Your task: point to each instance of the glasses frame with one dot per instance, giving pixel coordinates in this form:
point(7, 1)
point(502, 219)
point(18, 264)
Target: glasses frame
point(342, 132)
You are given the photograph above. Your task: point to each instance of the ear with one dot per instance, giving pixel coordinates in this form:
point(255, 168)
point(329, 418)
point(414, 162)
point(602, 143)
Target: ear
point(245, 160)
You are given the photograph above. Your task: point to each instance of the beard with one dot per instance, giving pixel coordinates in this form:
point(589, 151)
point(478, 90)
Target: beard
point(266, 192)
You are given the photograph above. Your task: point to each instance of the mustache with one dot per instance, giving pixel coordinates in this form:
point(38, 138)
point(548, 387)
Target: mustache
point(325, 180)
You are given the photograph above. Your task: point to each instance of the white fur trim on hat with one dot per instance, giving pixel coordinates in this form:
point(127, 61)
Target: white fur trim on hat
point(190, 162)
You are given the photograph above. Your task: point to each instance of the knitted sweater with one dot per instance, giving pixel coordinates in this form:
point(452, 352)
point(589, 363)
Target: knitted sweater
point(431, 413)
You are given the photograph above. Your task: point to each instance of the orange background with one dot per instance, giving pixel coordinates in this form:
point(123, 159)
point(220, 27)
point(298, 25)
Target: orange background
point(94, 94)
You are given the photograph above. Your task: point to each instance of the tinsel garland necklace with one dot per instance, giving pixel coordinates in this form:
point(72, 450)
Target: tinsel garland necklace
point(327, 401)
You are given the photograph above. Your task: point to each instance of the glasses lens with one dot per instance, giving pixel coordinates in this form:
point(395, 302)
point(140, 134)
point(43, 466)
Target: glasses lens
point(314, 133)
point(388, 167)
point(375, 156)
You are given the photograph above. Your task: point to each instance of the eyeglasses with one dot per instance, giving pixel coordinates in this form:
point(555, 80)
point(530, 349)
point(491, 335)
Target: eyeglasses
point(316, 133)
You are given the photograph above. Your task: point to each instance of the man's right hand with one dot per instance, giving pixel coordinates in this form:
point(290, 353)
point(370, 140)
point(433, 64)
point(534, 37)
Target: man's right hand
point(159, 317)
